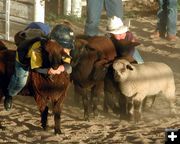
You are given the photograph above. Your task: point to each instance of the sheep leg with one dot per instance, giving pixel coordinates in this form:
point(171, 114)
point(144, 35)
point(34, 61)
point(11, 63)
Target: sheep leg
point(105, 105)
point(77, 91)
point(57, 108)
point(84, 94)
point(0, 96)
point(2, 127)
point(129, 108)
point(86, 106)
point(44, 115)
point(122, 102)
point(43, 109)
point(57, 120)
point(137, 104)
point(148, 102)
point(172, 105)
point(96, 91)
point(108, 102)
point(95, 103)
point(137, 111)
point(173, 108)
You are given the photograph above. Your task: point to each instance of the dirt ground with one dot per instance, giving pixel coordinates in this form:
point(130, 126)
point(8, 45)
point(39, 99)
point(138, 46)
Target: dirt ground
point(23, 121)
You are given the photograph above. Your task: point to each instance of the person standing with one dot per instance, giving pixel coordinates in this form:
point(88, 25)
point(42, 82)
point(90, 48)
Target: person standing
point(94, 9)
point(167, 19)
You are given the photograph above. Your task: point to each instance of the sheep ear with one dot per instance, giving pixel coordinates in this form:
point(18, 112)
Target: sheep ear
point(80, 43)
point(129, 67)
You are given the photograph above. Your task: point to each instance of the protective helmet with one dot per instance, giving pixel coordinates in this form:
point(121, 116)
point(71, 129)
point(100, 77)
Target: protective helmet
point(45, 28)
point(64, 35)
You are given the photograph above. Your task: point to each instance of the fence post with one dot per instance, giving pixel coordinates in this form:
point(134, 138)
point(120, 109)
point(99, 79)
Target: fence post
point(67, 7)
point(60, 7)
point(76, 8)
point(7, 19)
point(39, 10)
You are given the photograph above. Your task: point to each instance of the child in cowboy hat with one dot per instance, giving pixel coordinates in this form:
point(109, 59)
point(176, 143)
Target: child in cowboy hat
point(119, 31)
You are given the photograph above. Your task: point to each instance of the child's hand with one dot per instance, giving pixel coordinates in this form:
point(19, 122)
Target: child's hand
point(57, 71)
point(61, 68)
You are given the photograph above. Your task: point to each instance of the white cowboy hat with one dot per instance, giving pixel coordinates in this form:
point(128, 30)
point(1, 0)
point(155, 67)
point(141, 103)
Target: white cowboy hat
point(116, 26)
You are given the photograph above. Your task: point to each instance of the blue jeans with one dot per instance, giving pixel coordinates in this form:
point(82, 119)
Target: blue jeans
point(18, 79)
point(94, 8)
point(137, 56)
point(167, 16)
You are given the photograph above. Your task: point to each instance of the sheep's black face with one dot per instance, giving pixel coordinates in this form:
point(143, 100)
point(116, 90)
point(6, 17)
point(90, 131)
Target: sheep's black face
point(116, 75)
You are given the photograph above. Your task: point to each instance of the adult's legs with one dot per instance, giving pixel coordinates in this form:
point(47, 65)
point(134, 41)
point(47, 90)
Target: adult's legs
point(114, 8)
point(161, 20)
point(137, 57)
point(171, 17)
point(162, 17)
point(17, 82)
point(94, 8)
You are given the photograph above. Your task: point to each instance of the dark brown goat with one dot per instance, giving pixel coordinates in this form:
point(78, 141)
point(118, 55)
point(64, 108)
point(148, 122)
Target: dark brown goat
point(44, 88)
point(90, 54)
point(91, 58)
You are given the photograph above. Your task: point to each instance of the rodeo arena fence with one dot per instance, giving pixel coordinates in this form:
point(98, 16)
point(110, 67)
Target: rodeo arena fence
point(16, 14)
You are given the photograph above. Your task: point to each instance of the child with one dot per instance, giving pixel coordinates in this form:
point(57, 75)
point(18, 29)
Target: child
point(116, 29)
point(29, 55)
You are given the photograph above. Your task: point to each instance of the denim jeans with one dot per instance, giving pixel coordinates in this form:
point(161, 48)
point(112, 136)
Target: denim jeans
point(94, 9)
point(167, 16)
point(18, 79)
point(137, 56)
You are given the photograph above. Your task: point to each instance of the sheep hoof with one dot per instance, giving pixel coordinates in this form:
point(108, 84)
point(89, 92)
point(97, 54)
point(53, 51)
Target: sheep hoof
point(96, 113)
point(44, 127)
point(105, 109)
point(86, 118)
point(57, 131)
point(126, 117)
point(173, 112)
point(2, 127)
point(137, 116)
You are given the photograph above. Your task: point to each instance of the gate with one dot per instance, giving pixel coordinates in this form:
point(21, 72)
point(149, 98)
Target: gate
point(16, 14)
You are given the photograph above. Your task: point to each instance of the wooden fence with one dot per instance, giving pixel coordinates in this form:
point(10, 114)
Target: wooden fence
point(20, 12)
point(16, 15)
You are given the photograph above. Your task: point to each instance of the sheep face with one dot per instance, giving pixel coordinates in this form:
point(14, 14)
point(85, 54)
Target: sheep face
point(121, 69)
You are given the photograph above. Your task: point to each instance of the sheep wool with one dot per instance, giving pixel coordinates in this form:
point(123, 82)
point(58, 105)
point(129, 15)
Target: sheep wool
point(147, 79)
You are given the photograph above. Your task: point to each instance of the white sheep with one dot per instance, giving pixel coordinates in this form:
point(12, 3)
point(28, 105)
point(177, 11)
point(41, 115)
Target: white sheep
point(137, 81)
